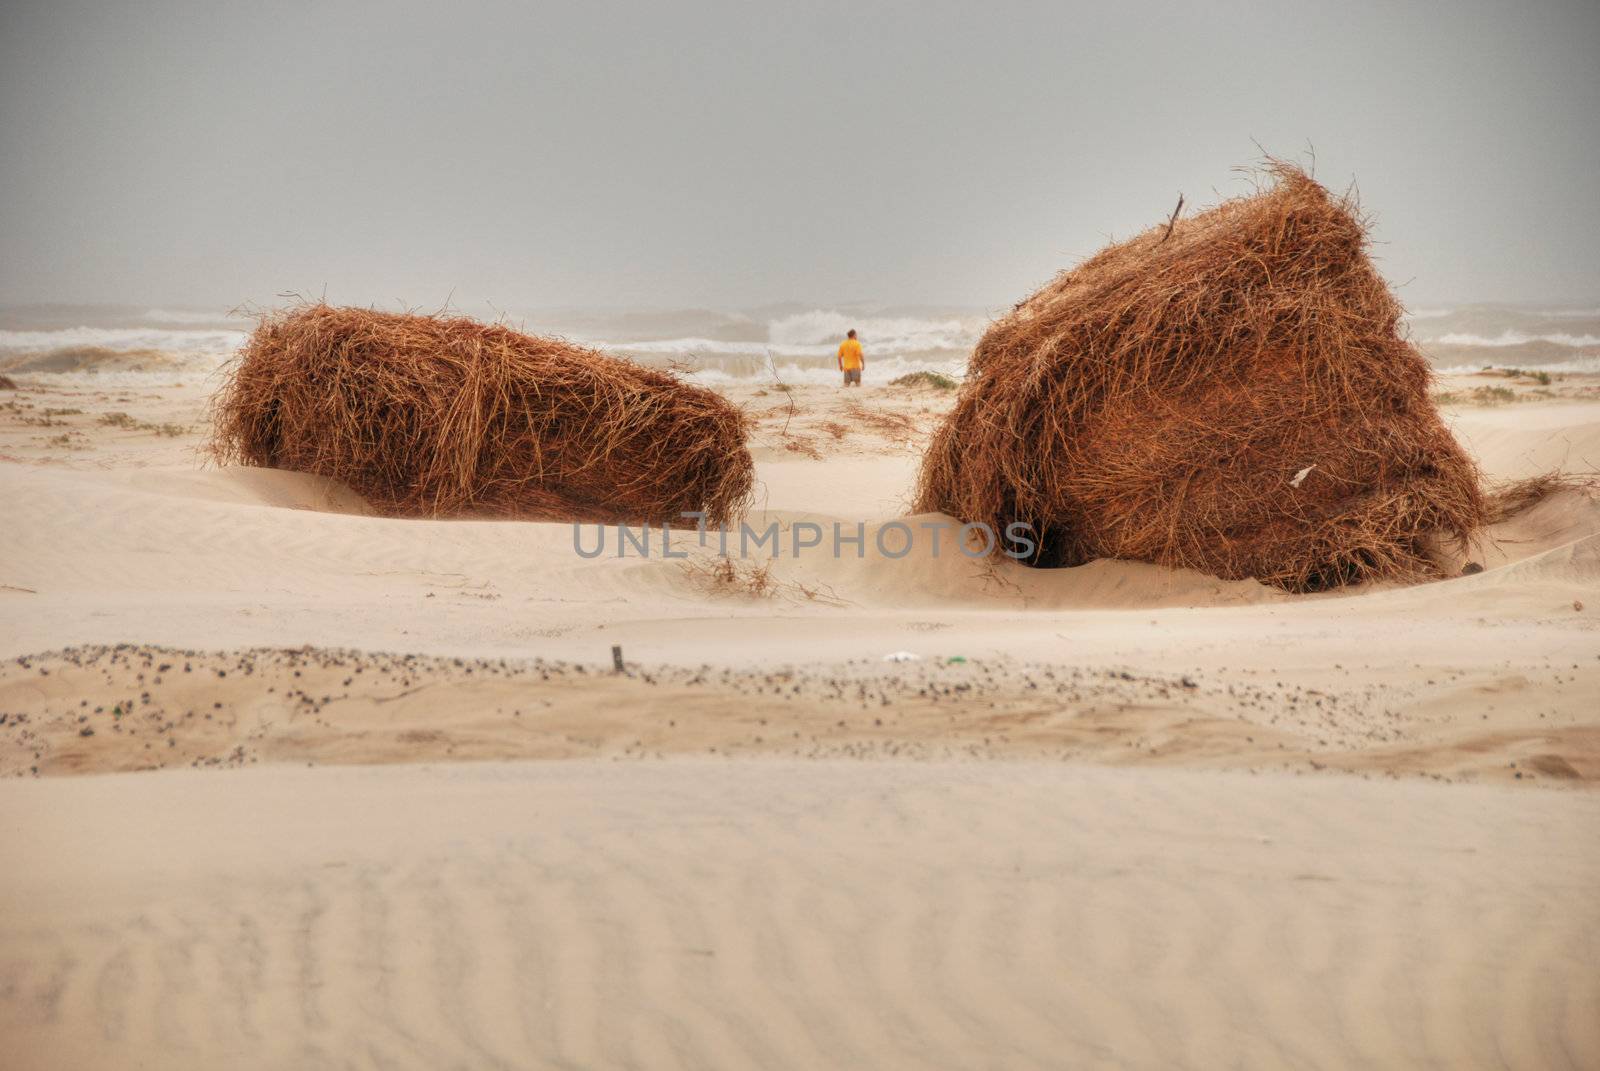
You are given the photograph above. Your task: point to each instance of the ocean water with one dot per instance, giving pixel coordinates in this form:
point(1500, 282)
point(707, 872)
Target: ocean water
point(1509, 336)
point(792, 343)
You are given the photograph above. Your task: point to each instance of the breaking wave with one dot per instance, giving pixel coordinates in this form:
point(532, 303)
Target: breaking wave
point(187, 316)
point(1516, 338)
point(1579, 365)
point(217, 341)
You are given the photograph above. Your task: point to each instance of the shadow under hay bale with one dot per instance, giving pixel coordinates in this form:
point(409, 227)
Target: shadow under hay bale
point(1228, 393)
point(432, 416)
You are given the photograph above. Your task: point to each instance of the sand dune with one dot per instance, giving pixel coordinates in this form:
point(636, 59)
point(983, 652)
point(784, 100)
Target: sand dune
point(794, 915)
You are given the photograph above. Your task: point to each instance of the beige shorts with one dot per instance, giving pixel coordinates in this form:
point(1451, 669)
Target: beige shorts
point(852, 375)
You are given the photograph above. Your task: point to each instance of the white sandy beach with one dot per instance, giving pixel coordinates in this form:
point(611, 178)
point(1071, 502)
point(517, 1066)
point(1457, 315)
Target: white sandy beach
point(1150, 819)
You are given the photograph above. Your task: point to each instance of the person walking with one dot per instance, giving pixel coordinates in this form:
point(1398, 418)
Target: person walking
point(851, 360)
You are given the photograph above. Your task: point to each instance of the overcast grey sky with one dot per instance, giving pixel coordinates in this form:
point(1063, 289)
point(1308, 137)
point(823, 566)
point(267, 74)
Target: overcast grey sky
point(721, 154)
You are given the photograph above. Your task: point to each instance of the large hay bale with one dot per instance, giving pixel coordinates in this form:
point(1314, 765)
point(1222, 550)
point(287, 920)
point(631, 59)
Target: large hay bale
point(432, 416)
point(1157, 402)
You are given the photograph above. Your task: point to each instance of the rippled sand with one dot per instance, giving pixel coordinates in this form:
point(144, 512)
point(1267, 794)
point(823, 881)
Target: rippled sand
point(794, 914)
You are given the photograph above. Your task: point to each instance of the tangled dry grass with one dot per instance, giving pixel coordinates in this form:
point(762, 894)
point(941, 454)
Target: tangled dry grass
point(899, 428)
point(440, 416)
point(1509, 498)
point(1228, 393)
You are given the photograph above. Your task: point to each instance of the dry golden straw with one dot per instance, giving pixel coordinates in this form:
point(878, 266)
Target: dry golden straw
point(435, 416)
point(1158, 402)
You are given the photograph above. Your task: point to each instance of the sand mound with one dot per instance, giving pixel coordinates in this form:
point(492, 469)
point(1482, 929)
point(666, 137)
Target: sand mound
point(438, 416)
point(926, 380)
point(91, 359)
point(1227, 393)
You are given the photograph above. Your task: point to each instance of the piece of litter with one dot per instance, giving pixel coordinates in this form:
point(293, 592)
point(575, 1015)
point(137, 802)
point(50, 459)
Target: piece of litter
point(902, 656)
point(1300, 477)
point(956, 658)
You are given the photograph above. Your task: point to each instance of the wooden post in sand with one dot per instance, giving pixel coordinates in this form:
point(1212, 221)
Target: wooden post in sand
point(616, 657)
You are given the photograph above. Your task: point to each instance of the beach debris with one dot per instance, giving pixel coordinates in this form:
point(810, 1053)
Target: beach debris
point(1471, 569)
point(902, 656)
point(1300, 477)
point(1140, 406)
point(616, 657)
point(956, 659)
point(444, 416)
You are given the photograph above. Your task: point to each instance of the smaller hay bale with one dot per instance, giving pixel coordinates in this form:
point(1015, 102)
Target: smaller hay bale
point(445, 416)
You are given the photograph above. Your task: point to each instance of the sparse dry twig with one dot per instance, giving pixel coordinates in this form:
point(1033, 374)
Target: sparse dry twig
point(738, 576)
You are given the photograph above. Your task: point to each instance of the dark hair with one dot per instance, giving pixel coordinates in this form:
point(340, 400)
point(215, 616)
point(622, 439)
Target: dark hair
point(852, 332)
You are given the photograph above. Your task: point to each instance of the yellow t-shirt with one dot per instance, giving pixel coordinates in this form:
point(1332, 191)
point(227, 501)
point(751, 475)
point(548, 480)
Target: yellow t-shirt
point(850, 354)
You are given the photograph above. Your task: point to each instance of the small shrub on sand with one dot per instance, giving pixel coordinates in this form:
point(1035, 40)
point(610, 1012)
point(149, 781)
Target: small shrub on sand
point(440, 416)
point(1228, 393)
point(7, 383)
point(1541, 378)
point(926, 381)
point(129, 423)
point(1476, 396)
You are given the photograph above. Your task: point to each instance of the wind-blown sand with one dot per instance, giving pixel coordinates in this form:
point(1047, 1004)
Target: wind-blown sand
point(1271, 877)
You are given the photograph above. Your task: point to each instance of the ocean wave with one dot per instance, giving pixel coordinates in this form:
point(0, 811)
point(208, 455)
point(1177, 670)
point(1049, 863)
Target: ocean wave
point(694, 347)
point(1516, 338)
point(184, 316)
point(1578, 365)
point(816, 335)
point(123, 338)
point(821, 327)
point(826, 373)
